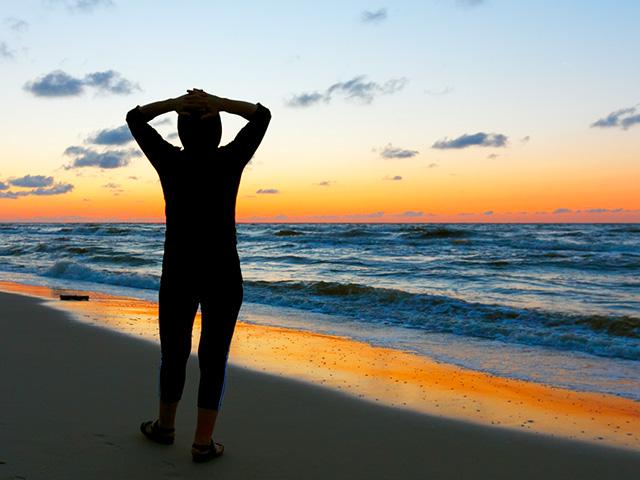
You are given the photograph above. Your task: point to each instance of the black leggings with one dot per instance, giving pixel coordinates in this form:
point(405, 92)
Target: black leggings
point(180, 294)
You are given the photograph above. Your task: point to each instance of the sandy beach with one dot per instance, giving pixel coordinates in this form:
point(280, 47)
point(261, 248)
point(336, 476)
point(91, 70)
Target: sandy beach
point(74, 395)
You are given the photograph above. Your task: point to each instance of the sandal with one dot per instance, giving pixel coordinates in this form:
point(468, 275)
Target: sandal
point(203, 453)
point(158, 434)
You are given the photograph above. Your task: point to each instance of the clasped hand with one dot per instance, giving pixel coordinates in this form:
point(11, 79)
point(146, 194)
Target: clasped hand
point(199, 103)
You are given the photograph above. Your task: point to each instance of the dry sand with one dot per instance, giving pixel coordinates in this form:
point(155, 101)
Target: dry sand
point(73, 396)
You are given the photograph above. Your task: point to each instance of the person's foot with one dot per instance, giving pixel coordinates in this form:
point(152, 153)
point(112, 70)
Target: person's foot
point(203, 453)
point(153, 431)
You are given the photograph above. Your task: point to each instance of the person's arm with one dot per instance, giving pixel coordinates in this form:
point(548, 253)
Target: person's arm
point(154, 109)
point(220, 104)
point(150, 141)
point(248, 139)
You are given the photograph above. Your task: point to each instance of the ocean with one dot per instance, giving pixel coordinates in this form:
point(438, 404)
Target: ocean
point(552, 303)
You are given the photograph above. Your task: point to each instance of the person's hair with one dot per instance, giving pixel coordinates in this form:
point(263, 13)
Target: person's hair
point(198, 133)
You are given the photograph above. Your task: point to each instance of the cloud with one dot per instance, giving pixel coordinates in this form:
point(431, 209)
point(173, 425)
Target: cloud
point(115, 188)
point(525, 140)
point(410, 213)
point(606, 210)
point(493, 155)
point(110, 81)
point(84, 6)
point(268, 190)
point(16, 24)
point(32, 181)
point(87, 157)
point(5, 52)
point(560, 211)
point(162, 121)
point(446, 90)
point(60, 84)
point(376, 16)
point(38, 185)
point(111, 136)
point(432, 165)
point(470, 3)
point(623, 118)
point(390, 152)
point(324, 183)
point(488, 212)
point(306, 99)
point(57, 189)
point(172, 136)
point(394, 178)
point(356, 88)
point(479, 139)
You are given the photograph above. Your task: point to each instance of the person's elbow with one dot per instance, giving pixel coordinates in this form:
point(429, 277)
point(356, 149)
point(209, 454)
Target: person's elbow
point(133, 116)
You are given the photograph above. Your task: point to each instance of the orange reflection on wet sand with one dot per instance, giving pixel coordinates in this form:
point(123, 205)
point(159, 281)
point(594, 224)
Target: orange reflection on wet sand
point(392, 377)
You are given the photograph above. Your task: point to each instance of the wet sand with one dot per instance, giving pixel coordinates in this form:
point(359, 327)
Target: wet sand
point(74, 395)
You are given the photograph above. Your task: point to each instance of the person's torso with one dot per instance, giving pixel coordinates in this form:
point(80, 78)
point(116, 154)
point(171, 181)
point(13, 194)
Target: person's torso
point(200, 201)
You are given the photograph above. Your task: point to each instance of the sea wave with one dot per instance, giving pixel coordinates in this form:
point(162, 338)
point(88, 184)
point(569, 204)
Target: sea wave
point(430, 233)
point(74, 271)
point(611, 336)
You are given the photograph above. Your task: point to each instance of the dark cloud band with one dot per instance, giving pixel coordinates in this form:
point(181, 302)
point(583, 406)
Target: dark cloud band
point(623, 118)
point(479, 139)
point(60, 84)
point(87, 157)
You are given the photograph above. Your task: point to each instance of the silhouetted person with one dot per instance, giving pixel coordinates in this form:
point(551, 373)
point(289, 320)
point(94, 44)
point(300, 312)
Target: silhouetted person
point(200, 264)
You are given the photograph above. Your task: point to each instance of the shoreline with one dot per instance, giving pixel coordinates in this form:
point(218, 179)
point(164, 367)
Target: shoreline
point(385, 376)
point(78, 393)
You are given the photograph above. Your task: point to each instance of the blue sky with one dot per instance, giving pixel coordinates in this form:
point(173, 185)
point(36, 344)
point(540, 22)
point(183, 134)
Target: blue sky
point(539, 73)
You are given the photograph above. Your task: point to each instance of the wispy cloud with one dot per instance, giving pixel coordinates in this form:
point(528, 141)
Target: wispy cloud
point(88, 157)
point(60, 84)
point(84, 6)
point(444, 91)
point(411, 213)
point(111, 136)
point(374, 16)
point(16, 24)
point(390, 151)
point(356, 88)
point(115, 188)
point(623, 118)
point(560, 211)
point(5, 52)
point(324, 183)
point(479, 139)
point(470, 3)
point(395, 178)
point(162, 121)
point(268, 191)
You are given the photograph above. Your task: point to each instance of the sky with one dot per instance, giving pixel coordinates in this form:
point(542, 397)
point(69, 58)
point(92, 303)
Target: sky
point(404, 111)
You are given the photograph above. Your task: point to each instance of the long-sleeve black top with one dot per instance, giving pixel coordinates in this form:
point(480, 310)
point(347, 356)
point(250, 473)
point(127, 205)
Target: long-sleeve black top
point(199, 189)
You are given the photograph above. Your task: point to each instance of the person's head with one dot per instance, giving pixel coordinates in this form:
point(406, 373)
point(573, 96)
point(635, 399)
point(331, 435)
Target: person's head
point(200, 134)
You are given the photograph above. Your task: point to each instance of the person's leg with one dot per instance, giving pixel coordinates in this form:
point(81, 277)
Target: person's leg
point(220, 310)
point(177, 310)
